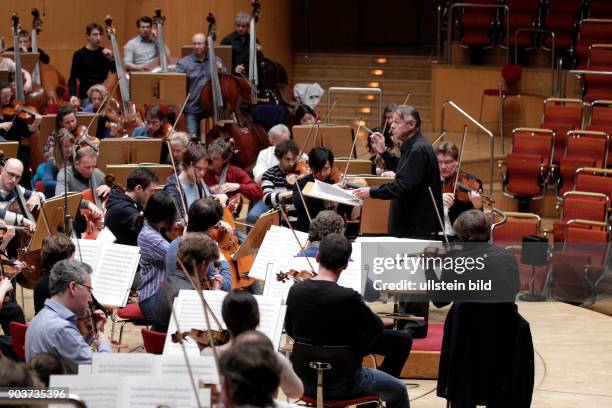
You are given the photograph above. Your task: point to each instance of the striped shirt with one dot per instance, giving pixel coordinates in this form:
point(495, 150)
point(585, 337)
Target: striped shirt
point(273, 183)
point(153, 248)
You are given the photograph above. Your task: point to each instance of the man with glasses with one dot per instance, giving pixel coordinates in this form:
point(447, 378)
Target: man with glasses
point(10, 175)
point(240, 41)
point(54, 329)
point(448, 161)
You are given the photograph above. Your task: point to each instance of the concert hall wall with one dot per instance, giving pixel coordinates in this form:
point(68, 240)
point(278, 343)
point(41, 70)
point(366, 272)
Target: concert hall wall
point(64, 23)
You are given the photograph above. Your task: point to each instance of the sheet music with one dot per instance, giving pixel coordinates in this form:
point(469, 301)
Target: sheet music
point(333, 193)
point(106, 235)
point(88, 251)
point(189, 313)
point(148, 391)
point(202, 367)
point(84, 369)
point(278, 242)
point(104, 392)
point(123, 364)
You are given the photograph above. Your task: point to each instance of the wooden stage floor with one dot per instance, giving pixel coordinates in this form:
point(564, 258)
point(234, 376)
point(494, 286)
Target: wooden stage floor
point(573, 359)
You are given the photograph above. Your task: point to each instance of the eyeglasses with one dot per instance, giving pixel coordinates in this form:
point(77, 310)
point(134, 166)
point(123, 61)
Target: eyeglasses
point(446, 162)
point(11, 175)
point(84, 285)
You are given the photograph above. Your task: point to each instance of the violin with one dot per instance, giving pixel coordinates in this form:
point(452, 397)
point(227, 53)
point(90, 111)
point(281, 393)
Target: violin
point(163, 132)
point(301, 170)
point(466, 183)
point(87, 324)
point(297, 276)
point(84, 139)
point(201, 337)
point(18, 110)
point(349, 182)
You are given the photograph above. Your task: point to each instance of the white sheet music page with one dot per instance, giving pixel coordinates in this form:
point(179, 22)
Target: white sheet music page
point(103, 392)
point(152, 392)
point(88, 251)
point(115, 273)
point(277, 243)
point(123, 364)
point(202, 367)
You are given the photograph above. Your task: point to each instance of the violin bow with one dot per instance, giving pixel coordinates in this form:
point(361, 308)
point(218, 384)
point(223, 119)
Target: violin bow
point(94, 118)
point(302, 247)
point(433, 200)
point(178, 182)
point(465, 128)
point(303, 200)
point(406, 99)
point(350, 155)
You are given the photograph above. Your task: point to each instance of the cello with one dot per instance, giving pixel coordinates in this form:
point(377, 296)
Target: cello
point(223, 98)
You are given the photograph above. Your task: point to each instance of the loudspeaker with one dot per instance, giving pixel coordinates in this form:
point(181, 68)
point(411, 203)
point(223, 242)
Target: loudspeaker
point(534, 250)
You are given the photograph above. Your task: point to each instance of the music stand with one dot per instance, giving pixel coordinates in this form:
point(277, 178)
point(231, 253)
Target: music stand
point(10, 149)
point(355, 167)
point(255, 237)
point(83, 119)
point(534, 252)
point(148, 88)
point(224, 52)
point(51, 217)
point(28, 59)
point(145, 150)
point(122, 171)
point(374, 212)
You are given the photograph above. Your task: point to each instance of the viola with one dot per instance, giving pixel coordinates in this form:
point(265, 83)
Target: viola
point(18, 110)
point(466, 183)
point(298, 276)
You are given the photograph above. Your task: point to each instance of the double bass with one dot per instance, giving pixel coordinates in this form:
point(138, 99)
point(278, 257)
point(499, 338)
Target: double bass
point(227, 98)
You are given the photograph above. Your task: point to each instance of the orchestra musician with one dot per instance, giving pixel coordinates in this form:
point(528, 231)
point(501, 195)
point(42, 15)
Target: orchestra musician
point(141, 52)
point(197, 68)
point(411, 214)
point(79, 176)
point(227, 179)
point(448, 156)
point(266, 158)
point(195, 164)
point(198, 253)
point(10, 174)
point(47, 171)
point(54, 329)
point(25, 44)
point(65, 118)
point(385, 130)
point(7, 64)
point(305, 115)
point(179, 143)
point(240, 42)
point(277, 188)
point(9, 312)
point(96, 95)
point(319, 311)
point(123, 207)
point(90, 65)
point(154, 121)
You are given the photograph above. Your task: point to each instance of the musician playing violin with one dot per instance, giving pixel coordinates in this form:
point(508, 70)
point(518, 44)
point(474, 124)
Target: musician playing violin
point(79, 176)
point(196, 66)
point(228, 179)
point(66, 119)
point(10, 174)
point(155, 124)
point(240, 42)
point(448, 156)
point(276, 184)
point(96, 95)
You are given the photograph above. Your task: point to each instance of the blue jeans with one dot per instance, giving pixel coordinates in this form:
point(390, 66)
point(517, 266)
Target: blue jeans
point(147, 306)
point(192, 123)
point(369, 382)
point(259, 208)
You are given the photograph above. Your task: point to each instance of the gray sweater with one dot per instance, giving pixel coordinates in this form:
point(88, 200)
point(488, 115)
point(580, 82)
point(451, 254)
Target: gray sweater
point(76, 182)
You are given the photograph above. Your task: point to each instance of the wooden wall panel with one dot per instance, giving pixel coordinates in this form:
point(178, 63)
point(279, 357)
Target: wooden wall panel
point(64, 23)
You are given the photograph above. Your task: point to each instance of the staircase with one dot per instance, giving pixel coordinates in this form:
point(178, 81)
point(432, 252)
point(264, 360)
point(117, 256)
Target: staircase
point(396, 75)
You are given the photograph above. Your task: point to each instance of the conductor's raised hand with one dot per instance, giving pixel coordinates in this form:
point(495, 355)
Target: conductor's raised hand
point(378, 142)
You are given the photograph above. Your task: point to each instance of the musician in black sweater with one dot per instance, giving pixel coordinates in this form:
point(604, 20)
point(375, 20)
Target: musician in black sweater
point(319, 311)
point(90, 65)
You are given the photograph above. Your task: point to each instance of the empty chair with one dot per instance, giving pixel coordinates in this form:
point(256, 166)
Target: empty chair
point(577, 269)
point(18, 333)
point(478, 24)
point(561, 18)
point(592, 31)
point(561, 115)
point(523, 14)
point(528, 165)
point(580, 205)
point(600, 9)
point(153, 341)
point(510, 233)
point(584, 148)
point(594, 180)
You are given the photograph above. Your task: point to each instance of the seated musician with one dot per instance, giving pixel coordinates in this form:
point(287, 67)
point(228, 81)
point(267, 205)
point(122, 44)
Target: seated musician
point(54, 329)
point(204, 215)
point(154, 120)
point(240, 42)
point(79, 177)
point(240, 313)
point(141, 52)
point(7, 64)
point(66, 119)
point(321, 162)
point(123, 207)
point(10, 174)
point(319, 311)
point(266, 158)
point(277, 189)
point(159, 219)
point(25, 45)
point(305, 115)
point(198, 254)
point(96, 95)
point(13, 128)
point(385, 130)
point(47, 171)
point(10, 311)
point(195, 164)
point(179, 143)
point(448, 156)
point(223, 178)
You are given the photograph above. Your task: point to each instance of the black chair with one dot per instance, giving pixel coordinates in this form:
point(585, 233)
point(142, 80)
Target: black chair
point(334, 364)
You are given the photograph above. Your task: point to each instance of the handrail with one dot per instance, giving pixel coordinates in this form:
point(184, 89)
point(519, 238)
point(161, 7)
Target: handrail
point(72, 399)
point(474, 5)
point(494, 225)
point(588, 72)
point(552, 57)
point(352, 90)
point(558, 86)
point(478, 124)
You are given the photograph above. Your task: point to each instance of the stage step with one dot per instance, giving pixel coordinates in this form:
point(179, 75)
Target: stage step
point(364, 72)
point(381, 61)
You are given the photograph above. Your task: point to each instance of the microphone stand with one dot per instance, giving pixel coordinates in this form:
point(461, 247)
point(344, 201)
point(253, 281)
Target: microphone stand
point(67, 217)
